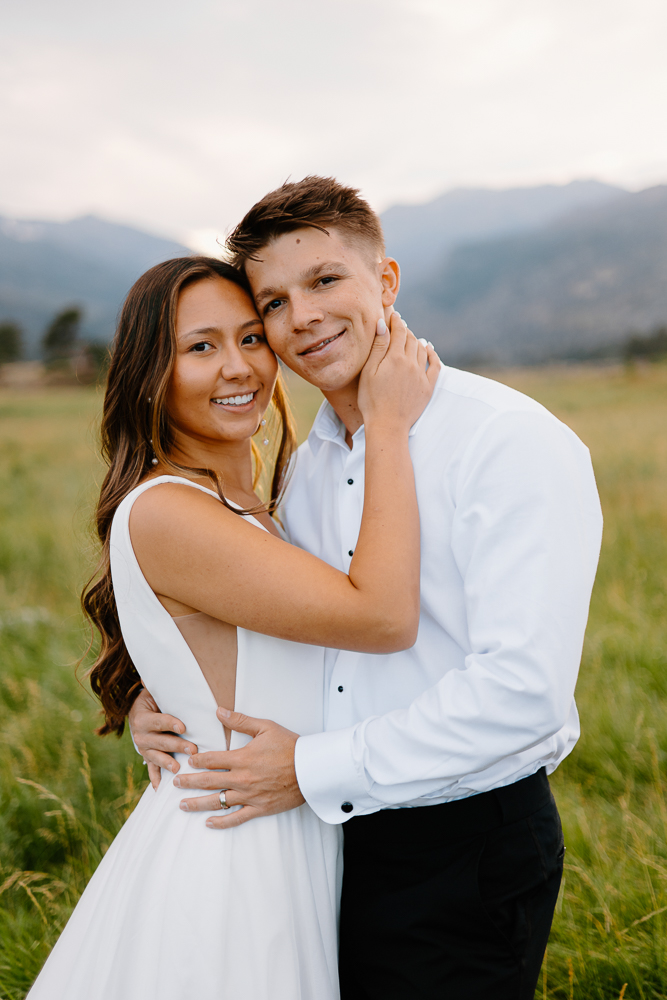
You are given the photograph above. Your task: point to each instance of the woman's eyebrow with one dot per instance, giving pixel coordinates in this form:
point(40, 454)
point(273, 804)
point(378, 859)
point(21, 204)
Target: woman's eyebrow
point(200, 331)
point(207, 330)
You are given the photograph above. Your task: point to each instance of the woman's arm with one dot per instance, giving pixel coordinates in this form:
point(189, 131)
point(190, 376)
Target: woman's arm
point(194, 550)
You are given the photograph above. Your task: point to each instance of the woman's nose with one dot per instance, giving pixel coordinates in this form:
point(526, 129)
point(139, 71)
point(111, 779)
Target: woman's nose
point(235, 365)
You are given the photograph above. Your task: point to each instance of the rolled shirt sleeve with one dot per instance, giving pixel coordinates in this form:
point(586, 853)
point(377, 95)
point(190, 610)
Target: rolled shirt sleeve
point(525, 536)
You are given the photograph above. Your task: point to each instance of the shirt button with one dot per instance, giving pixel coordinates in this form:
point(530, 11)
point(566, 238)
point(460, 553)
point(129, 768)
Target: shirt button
point(340, 688)
point(347, 807)
point(350, 481)
point(351, 552)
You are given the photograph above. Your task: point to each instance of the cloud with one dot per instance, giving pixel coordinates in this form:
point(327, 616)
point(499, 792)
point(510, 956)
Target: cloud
point(178, 116)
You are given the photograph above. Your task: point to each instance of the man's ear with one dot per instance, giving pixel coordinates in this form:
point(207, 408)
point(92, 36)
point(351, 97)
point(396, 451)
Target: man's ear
point(390, 276)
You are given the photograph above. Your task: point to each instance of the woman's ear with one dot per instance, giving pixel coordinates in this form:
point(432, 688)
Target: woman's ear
point(390, 276)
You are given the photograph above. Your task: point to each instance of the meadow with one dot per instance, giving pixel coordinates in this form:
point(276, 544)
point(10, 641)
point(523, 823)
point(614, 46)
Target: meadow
point(64, 792)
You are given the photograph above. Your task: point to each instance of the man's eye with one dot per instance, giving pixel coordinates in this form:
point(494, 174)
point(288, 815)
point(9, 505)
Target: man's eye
point(328, 279)
point(272, 305)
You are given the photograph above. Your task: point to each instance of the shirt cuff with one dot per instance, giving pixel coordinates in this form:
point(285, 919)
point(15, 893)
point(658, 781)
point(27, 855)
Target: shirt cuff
point(330, 780)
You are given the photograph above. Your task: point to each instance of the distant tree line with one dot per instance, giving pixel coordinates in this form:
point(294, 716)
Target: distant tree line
point(62, 346)
point(11, 342)
point(650, 347)
point(61, 337)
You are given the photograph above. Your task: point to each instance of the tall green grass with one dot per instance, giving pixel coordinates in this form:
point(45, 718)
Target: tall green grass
point(611, 925)
point(64, 793)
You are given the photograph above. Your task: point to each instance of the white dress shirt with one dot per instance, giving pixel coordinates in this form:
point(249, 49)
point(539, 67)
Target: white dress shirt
point(510, 538)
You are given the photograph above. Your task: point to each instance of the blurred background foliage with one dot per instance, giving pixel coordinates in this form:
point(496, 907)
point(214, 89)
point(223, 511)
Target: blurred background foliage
point(64, 792)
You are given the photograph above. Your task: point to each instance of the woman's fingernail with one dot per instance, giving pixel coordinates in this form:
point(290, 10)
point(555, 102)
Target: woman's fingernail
point(209, 823)
point(423, 341)
point(430, 345)
point(381, 328)
point(184, 806)
point(187, 750)
point(396, 313)
point(224, 712)
point(177, 782)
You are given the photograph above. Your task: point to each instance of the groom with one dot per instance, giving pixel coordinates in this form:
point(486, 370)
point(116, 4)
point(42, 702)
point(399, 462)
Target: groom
point(434, 758)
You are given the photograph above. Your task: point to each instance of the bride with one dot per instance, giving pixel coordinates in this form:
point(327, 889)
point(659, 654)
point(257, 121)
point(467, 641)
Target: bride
point(200, 597)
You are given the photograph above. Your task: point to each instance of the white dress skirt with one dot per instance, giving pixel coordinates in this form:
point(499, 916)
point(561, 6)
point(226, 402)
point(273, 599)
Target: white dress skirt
point(176, 909)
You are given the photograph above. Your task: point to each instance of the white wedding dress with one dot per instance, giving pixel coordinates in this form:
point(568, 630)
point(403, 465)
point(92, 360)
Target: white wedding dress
point(178, 910)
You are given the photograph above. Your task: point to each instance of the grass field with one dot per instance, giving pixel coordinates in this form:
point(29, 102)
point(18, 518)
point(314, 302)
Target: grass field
point(64, 792)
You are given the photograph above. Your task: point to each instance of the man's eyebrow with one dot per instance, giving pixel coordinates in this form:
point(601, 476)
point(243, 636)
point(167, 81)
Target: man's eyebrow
point(271, 292)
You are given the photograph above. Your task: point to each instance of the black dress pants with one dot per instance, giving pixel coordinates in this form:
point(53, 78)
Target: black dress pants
point(451, 901)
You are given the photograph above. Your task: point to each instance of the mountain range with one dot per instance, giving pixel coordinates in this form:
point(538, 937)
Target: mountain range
point(420, 236)
point(490, 276)
point(46, 266)
point(574, 287)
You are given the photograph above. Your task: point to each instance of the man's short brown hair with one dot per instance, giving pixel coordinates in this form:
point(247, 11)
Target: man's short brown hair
point(315, 201)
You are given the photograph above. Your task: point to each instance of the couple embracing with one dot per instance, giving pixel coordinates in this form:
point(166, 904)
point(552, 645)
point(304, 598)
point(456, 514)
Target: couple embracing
point(363, 681)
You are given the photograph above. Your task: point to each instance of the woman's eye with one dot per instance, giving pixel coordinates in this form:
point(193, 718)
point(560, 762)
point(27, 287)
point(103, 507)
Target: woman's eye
point(252, 338)
point(199, 348)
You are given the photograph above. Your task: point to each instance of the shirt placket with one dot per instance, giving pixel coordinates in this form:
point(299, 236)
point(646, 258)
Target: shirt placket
point(350, 507)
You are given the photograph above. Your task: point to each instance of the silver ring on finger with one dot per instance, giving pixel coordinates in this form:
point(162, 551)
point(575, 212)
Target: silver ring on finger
point(223, 800)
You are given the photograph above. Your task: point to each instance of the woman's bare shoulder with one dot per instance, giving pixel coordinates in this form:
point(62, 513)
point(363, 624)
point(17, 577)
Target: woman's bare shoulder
point(163, 505)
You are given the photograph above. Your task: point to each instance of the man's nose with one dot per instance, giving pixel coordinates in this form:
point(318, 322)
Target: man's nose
point(304, 313)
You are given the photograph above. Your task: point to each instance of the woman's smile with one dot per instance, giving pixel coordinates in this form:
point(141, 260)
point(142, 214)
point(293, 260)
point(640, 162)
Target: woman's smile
point(241, 403)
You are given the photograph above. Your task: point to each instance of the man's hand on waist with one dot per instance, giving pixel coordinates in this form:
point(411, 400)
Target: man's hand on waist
point(259, 777)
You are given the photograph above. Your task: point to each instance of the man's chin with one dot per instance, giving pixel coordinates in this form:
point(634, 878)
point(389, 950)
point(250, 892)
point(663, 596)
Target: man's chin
point(327, 378)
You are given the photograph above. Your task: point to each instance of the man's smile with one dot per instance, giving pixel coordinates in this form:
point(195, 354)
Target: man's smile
point(320, 346)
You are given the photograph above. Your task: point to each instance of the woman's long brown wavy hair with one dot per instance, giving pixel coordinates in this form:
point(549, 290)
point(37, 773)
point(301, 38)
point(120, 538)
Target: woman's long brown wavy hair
point(135, 429)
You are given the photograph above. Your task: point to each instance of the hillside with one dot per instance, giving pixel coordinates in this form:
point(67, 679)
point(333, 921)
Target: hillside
point(521, 275)
point(45, 266)
point(419, 236)
point(573, 288)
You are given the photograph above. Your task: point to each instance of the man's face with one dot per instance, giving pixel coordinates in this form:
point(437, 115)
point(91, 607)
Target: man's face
point(320, 299)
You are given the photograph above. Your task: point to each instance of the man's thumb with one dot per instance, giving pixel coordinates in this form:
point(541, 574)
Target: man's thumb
point(240, 723)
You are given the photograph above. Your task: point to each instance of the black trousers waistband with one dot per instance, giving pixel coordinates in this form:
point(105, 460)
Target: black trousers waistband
point(450, 821)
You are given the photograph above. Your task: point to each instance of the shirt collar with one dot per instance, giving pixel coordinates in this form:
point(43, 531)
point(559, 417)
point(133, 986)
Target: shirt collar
point(327, 426)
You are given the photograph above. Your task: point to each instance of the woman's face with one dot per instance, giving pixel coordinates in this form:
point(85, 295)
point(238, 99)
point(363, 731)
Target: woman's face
point(224, 372)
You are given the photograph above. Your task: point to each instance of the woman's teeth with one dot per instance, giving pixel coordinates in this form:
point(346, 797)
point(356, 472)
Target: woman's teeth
point(235, 400)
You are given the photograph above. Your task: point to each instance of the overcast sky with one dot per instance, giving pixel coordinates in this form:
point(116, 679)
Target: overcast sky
point(176, 116)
